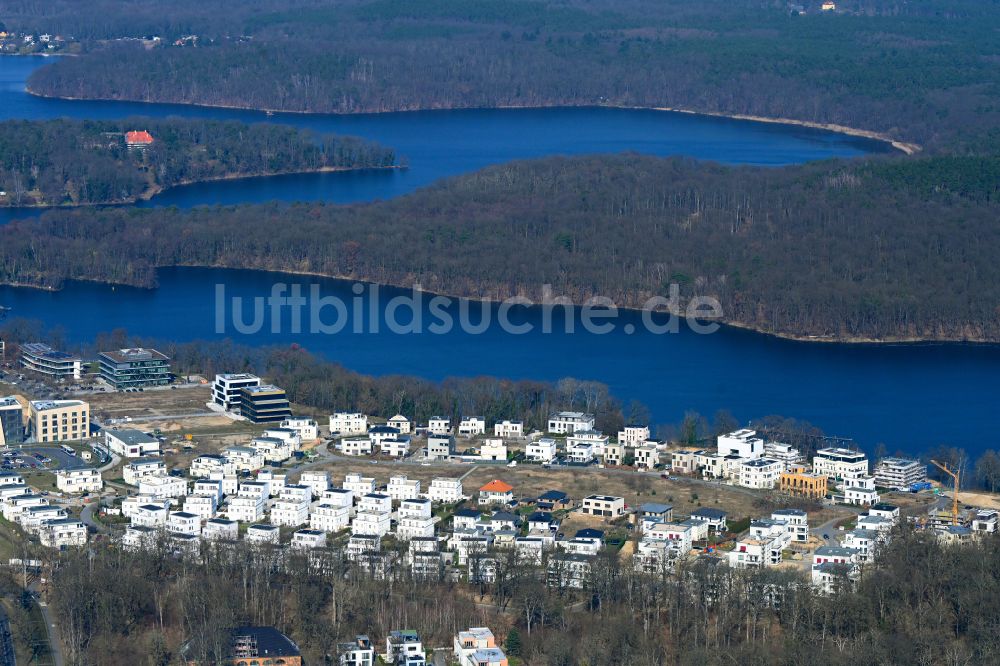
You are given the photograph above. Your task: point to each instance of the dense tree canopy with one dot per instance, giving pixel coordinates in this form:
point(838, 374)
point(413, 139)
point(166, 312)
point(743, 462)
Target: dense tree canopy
point(59, 162)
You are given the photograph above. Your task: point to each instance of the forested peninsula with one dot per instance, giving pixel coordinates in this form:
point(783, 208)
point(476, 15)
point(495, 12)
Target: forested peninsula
point(876, 249)
point(918, 72)
point(73, 162)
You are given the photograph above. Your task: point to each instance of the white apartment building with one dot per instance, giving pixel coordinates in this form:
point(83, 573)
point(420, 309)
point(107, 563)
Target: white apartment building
point(633, 435)
point(220, 529)
point(359, 485)
point(439, 425)
point(493, 450)
point(85, 480)
point(567, 423)
point(308, 539)
point(445, 490)
point(275, 482)
point(401, 488)
point(400, 423)
point(757, 552)
point(356, 446)
point(63, 532)
point(337, 497)
point(743, 443)
point(182, 522)
point(509, 429)
point(371, 524)
point(415, 519)
point(131, 443)
point(786, 454)
point(272, 449)
point(580, 452)
point(289, 511)
point(840, 463)
point(595, 438)
point(135, 471)
point(287, 435)
point(796, 522)
point(319, 482)
point(470, 426)
point(860, 491)
point(244, 458)
point(329, 518)
point(647, 457)
point(438, 447)
point(606, 506)
point(380, 433)
point(395, 447)
point(150, 515)
point(226, 389)
point(899, 473)
point(542, 450)
point(263, 534)
point(247, 508)
point(33, 517)
point(203, 506)
point(306, 429)
point(205, 464)
point(348, 423)
point(139, 537)
point(162, 487)
point(761, 473)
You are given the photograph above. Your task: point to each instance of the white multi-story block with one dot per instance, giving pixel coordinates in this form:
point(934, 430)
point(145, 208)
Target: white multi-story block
point(400, 423)
point(150, 515)
point(329, 518)
point(182, 522)
point(493, 450)
point(381, 433)
point(395, 447)
point(348, 423)
point(840, 463)
point(899, 473)
point(508, 429)
point(415, 519)
point(289, 436)
point(796, 522)
point(221, 529)
point(226, 389)
point(860, 490)
point(743, 443)
point(580, 452)
point(162, 486)
point(470, 426)
point(445, 490)
point(439, 447)
point(355, 446)
point(567, 423)
point(306, 429)
point(542, 450)
point(246, 508)
point(63, 532)
point(401, 488)
point(372, 524)
point(275, 482)
point(205, 464)
point(438, 425)
point(244, 458)
point(131, 443)
point(290, 512)
point(308, 539)
point(263, 534)
point(137, 470)
point(338, 497)
point(318, 481)
point(786, 454)
point(633, 435)
point(762, 473)
point(647, 457)
point(85, 480)
point(272, 448)
point(203, 506)
point(359, 485)
point(603, 505)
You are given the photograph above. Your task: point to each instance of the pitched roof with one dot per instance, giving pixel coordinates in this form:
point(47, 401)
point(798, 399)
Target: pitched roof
point(497, 486)
point(553, 495)
point(138, 137)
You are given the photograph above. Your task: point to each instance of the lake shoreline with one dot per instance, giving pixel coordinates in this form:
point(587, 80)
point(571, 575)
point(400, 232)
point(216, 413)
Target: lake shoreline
point(735, 325)
point(156, 190)
point(907, 148)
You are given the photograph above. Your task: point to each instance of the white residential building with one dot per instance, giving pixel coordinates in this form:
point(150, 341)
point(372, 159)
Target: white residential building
point(415, 519)
point(292, 507)
point(597, 440)
point(355, 446)
point(477, 647)
point(163, 486)
point(150, 515)
point(796, 522)
point(203, 506)
point(401, 488)
point(244, 458)
point(371, 524)
point(306, 429)
point(272, 448)
point(359, 485)
point(542, 450)
point(85, 480)
point(680, 537)
point(633, 435)
point(508, 429)
point(470, 426)
point(899, 473)
point(743, 443)
point(220, 529)
point(438, 425)
point(860, 491)
point(319, 482)
point(400, 423)
point(131, 443)
point(580, 452)
point(64, 532)
point(205, 464)
point(395, 447)
point(182, 522)
point(263, 534)
point(246, 508)
point(647, 457)
point(786, 454)
point(839, 463)
point(761, 473)
point(275, 482)
point(134, 472)
point(226, 389)
point(603, 505)
point(757, 552)
point(445, 490)
point(348, 423)
point(380, 433)
point(493, 450)
point(567, 423)
point(329, 518)
point(308, 539)
point(338, 497)
point(439, 447)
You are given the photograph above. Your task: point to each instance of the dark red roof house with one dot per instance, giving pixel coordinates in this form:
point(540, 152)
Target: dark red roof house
point(138, 138)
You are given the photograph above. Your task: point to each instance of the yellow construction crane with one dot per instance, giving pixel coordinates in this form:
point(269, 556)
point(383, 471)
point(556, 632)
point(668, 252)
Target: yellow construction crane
point(954, 495)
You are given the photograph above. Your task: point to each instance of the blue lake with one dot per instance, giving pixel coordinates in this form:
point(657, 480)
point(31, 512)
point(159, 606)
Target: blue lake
point(909, 397)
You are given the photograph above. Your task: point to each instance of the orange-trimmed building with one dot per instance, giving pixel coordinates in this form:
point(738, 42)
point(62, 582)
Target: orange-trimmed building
point(496, 492)
point(796, 481)
point(138, 139)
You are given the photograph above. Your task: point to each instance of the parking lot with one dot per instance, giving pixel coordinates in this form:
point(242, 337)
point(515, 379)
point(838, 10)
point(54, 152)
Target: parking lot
point(40, 458)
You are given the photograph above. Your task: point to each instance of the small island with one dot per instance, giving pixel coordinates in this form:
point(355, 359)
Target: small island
point(78, 163)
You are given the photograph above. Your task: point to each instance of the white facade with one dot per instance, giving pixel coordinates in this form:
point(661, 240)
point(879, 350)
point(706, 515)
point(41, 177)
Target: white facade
point(182, 522)
point(511, 429)
point(860, 491)
point(786, 454)
point(445, 490)
point(359, 485)
point(438, 446)
point(493, 450)
point(134, 472)
point(581, 452)
point(204, 465)
point(415, 519)
point(761, 473)
point(65, 532)
point(246, 508)
point(633, 435)
point(566, 423)
point(355, 446)
point(308, 539)
point(438, 425)
point(647, 457)
point(348, 423)
point(221, 529)
point(244, 458)
point(603, 505)
point(899, 473)
point(329, 518)
point(542, 450)
point(838, 463)
point(203, 506)
point(79, 480)
point(272, 448)
point(395, 447)
point(400, 423)
point(401, 488)
point(263, 534)
point(131, 443)
point(470, 426)
point(743, 443)
point(306, 429)
point(338, 497)
point(319, 482)
point(226, 389)
point(162, 486)
point(595, 438)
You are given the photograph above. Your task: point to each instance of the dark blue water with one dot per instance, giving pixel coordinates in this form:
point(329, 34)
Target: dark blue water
point(909, 397)
point(447, 143)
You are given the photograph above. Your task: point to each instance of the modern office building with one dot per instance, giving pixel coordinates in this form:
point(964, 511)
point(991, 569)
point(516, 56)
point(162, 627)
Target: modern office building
point(58, 420)
point(43, 359)
point(264, 404)
point(227, 387)
point(135, 368)
point(11, 421)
